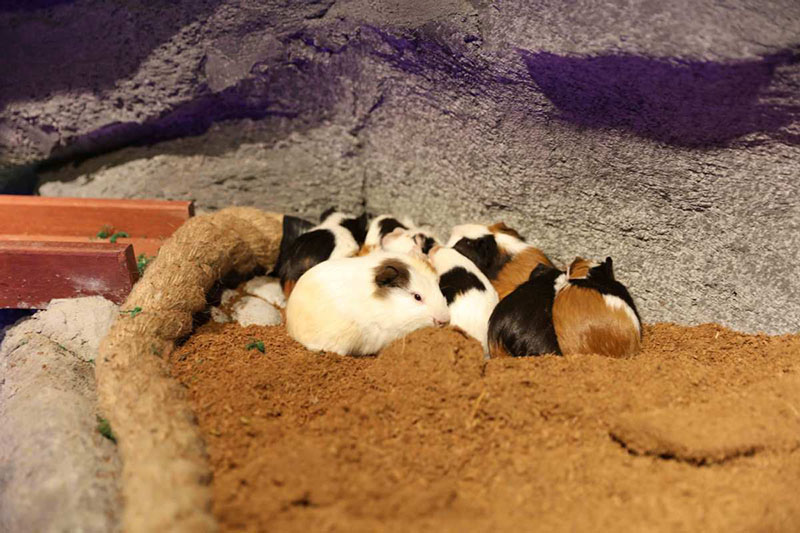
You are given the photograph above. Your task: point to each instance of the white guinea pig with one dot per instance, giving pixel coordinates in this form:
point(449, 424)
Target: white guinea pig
point(469, 293)
point(358, 305)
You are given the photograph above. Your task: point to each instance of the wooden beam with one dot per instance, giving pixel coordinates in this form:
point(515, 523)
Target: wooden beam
point(149, 247)
point(147, 222)
point(33, 273)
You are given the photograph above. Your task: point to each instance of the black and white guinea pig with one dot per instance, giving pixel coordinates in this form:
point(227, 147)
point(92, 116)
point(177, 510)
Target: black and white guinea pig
point(293, 227)
point(337, 235)
point(358, 305)
point(594, 313)
point(500, 252)
point(522, 323)
point(381, 226)
point(411, 240)
point(469, 294)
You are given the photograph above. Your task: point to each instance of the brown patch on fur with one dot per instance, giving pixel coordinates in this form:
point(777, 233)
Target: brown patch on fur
point(427, 263)
point(517, 270)
point(390, 274)
point(365, 250)
point(498, 350)
point(288, 287)
point(584, 324)
point(579, 268)
point(501, 227)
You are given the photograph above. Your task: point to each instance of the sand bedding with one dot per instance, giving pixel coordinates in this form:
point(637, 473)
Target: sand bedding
point(699, 432)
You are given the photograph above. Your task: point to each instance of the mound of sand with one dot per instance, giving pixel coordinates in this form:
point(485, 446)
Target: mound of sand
point(699, 432)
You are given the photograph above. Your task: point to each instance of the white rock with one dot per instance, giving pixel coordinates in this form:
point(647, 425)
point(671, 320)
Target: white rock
point(255, 311)
point(267, 288)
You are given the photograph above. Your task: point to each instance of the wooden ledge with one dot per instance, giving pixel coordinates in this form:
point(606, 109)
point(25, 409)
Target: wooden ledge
point(33, 273)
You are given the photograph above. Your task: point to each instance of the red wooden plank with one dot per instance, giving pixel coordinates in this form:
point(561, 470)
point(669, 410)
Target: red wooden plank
point(149, 247)
point(33, 273)
point(147, 222)
point(83, 217)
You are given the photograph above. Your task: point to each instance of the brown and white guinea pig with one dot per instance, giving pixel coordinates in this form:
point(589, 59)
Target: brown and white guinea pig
point(500, 252)
point(412, 240)
point(358, 305)
point(337, 235)
point(522, 323)
point(594, 313)
point(469, 294)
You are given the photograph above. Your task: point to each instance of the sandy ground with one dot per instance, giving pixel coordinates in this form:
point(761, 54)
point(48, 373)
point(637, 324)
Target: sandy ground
point(699, 432)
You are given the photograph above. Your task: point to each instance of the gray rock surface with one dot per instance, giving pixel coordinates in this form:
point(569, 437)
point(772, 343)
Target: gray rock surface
point(57, 473)
point(662, 133)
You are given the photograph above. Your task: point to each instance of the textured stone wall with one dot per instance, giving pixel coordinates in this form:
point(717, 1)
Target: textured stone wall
point(663, 133)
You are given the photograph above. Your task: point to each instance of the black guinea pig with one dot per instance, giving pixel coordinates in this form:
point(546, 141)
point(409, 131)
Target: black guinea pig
point(522, 323)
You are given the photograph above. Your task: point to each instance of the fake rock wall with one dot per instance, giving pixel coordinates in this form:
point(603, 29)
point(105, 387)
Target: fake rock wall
point(662, 134)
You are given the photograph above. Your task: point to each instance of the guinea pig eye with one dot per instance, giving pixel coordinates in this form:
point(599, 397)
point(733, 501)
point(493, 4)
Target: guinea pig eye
point(417, 297)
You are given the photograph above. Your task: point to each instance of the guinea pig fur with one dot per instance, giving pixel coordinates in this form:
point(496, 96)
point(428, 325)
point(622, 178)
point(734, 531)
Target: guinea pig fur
point(381, 226)
point(337, 235)
point(522, 323)
point(594, 313)
point(293, 227)
point(412, 240)
point(358, 305)
point(469, 294)
point(500, 252)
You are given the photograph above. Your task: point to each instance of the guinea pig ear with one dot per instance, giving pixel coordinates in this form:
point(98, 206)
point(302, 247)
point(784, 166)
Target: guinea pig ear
point(608, 267)
point(293, 227)
point(486, 247)
point(540, 269)
point(424, 242)
point(357, 227)
point(325, 214)
point(391, 273)
point(579, 268)
point(502, 227)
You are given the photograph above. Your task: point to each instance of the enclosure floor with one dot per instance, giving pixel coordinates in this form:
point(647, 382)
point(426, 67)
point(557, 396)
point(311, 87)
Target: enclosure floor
point(430, 437)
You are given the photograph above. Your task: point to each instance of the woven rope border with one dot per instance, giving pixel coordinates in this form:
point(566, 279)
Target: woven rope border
point(165, 473)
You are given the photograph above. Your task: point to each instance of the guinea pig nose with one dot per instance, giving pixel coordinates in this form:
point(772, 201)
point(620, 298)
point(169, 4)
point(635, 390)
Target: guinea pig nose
point(441, 321)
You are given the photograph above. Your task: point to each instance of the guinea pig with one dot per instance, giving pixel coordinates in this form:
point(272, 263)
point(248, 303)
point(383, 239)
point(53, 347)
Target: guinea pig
point(416, 240)
point(594, 313)
point(469, 294)
point(522, 323)
point(500, 252)
point(337, 235)
point(358, 305)
point(293, 227)
point(379, 227)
